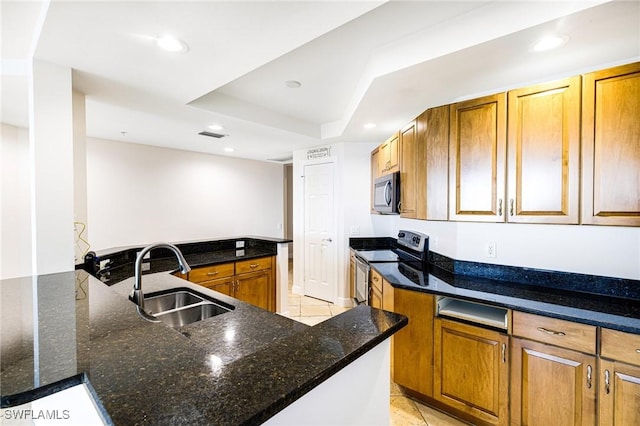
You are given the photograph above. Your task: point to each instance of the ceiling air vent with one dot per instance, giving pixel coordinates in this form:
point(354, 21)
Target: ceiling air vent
point(213, 135)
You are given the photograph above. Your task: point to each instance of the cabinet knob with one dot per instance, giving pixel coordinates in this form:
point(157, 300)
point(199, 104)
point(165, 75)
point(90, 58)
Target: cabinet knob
point(606, 381)
point(589, 371)
point(504, 353)
point(500, 207)
point(253, 266)
point(212, 273)
point(511, 207)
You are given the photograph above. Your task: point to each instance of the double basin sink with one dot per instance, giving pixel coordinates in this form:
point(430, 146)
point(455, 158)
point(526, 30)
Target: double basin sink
point(181, 306)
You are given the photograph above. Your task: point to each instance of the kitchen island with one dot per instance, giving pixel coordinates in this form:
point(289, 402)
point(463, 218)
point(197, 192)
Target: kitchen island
point(241, 367)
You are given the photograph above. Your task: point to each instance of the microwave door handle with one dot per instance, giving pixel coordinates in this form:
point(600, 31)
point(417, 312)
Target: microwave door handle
point(387, 193)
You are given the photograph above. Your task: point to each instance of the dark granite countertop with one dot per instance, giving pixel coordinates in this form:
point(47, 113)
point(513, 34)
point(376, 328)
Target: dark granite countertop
point(603, 310)
point(241, 367)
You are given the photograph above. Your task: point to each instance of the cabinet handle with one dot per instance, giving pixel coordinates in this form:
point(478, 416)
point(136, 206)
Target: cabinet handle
point(552, 332)
point(375, 279)
point(212, 273)
point(500, 207)
point(504, 353)
point(589, 371)
point(638, 351)
point(253, 265)
point(511, 207)
point(606, 381)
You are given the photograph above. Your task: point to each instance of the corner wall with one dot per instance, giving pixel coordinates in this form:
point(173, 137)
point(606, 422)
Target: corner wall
point(139, 194)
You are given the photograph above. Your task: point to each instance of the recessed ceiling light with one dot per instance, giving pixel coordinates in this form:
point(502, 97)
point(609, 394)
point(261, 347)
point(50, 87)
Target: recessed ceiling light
point(215, 127)
point(293, 84)
point(549, 42)
point(369, 125)
point(228, 149)
point(171, 44)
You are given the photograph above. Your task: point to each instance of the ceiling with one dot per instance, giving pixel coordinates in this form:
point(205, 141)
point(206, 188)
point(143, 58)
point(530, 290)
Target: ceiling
point(357, 61)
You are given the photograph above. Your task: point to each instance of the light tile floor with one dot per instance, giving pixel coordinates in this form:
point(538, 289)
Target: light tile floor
point(404, 411)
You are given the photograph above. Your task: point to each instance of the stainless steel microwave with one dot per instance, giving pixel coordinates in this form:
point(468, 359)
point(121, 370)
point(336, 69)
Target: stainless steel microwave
point(386, 193)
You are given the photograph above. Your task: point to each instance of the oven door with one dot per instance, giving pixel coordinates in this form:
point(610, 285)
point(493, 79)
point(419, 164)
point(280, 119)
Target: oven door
point(362, 281)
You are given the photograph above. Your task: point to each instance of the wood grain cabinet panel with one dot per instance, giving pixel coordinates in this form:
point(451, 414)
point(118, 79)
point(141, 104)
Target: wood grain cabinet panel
point(433, 127)
point(221, 285)
point(618, 394)
point(256, 288)
point(551, 385)
point(208, 273)
point(566, 334)
point(389, 155)
point(471, 372)
point(543, 145)
point(611, 146)
point(408, 171)
point(477, 150)
point(413, 345)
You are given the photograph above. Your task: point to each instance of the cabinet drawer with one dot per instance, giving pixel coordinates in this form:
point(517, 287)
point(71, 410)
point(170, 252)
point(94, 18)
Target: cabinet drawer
point(620, 346)
point(376, 280)
point(207, 273)
point(252, 265)
point(566, 334)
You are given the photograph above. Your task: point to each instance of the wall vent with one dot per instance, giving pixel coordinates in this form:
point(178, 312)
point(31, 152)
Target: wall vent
point(213, 135)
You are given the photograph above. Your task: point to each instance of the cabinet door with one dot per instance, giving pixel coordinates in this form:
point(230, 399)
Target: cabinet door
point(222, 285)
point(471, 370)
point(408, 171)
point(477, 150)
point(619, 394)
point(375, 171)
point(436, 145)
point(389, 157)
point(551, 386)
point(256, 288)
point(543, 142)
point(413, 345)
point(611, 146)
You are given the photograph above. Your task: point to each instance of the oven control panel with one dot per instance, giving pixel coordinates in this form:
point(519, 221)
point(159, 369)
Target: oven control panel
point(414, 240)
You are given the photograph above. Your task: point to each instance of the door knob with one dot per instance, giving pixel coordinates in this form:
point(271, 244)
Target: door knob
point(327, 240)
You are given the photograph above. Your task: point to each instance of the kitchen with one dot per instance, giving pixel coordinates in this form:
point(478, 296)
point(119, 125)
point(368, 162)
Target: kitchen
point(609, 251)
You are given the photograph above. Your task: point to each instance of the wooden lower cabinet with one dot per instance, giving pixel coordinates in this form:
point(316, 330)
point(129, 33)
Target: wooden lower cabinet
point(471, 371)
point(619, 394)
point(551, 385)
point(413, 345)
point(252, 281)
point(221, 285)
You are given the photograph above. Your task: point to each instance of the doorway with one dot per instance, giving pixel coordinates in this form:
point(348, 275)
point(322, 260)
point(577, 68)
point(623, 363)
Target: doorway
point(319, 231)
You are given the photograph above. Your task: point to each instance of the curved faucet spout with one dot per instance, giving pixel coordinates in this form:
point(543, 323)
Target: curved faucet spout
point(136, 295)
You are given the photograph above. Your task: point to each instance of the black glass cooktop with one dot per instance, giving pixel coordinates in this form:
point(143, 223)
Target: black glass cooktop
point(384, 255)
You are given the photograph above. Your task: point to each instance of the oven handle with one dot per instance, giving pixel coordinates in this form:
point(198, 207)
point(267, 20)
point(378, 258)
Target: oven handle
point(362, 265)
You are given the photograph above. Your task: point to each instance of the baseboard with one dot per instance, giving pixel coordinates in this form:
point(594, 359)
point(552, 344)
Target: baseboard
point(296, 289)
point(345, 302)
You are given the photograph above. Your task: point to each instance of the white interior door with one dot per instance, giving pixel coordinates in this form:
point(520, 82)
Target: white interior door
point(319, 232)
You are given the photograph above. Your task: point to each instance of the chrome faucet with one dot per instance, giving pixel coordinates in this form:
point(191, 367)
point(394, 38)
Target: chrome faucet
point(137, 296)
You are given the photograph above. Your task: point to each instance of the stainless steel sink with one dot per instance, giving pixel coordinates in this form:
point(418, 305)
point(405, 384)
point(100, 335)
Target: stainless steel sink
point(165, 302)
point(191, 314)
point(182, 306)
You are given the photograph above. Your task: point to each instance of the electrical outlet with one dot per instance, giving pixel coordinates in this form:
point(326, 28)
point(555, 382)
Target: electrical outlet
point(490, 249)
point(239, 244)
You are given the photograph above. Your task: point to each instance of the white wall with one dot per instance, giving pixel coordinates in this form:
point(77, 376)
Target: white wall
point(140, 194)
point(594, 250)
point(15, 203)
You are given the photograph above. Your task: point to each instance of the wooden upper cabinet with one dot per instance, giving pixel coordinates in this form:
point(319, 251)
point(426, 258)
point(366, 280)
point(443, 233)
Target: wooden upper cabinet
point(389, 155)
point(543, 145)
point(477, 150)
point(611, 146)
point(433, 137)
point(408, 170)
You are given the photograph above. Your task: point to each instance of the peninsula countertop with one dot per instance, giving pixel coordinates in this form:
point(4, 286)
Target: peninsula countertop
point(241, 367)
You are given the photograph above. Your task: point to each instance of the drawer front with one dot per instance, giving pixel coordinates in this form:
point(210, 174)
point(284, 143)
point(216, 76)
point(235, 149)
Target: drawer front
point(376, 280)
point(252, 265)
point(620, 346)
point(566, 334)
point(208, 273)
